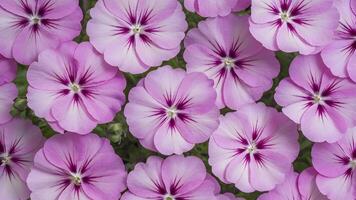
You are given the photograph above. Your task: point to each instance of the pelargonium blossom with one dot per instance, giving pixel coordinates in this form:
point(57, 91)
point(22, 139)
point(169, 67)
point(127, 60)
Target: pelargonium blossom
point(214, 8)
point(336, 165)
point(174, 178)
point(340, 55)
point(296, 187)
point(255, 141)
point(136, 35)
point(170, 111)
point(28, 27)
point(228, 196)
point(8, 91)
point(77, 167)
point(324, 105)
point(223, 49)
point(303, 26)
point(74, 89)
point(19, 141)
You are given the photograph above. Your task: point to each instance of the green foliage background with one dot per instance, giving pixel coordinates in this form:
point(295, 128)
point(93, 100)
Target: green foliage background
point(125, 145)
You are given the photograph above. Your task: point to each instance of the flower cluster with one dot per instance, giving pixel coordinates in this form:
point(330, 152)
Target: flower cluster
point(208, 90)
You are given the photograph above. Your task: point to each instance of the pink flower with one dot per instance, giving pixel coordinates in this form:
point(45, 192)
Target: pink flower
point(353, 6)
point(336, 164)
point(303, 26)
point(170, 111)
point(214, 8)
point(253, 148)
point(31, 26)
point(76, 167)
point(8, 90)
point(19, 141)
point(136, 35)
point(323, 104)
point(340, 55)
point(74, 89)
point(228, 196)
point(296, 187)
point(226, 52)
point(174, 178)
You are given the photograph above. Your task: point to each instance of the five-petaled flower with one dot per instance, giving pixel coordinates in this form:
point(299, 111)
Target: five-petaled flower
point(226, 52)
point(174, 178)
point(253, 148)
point(77, 167)
point(336, 165)
point(324, 105)
point(303, 26)
point(136, 35)
point(74, 89)
point(19, 141)
point(30, 26)
point(170, 111)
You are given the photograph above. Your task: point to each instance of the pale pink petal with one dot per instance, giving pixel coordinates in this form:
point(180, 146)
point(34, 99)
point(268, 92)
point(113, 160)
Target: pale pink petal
point(336, 188)
point(307, 185)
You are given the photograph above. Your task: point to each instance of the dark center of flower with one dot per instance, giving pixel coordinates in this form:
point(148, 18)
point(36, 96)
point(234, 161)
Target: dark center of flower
point(252, 148)
point(5, 160)
point(76, 179)
point(169, 197)
point(317, 98)
point(35, 20)
point(137, 29)
point(172, 112)
point(228, 62)
point(284, 16)
point(74, 87)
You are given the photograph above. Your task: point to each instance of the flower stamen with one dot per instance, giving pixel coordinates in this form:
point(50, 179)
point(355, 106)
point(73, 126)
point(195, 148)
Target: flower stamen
point(228, 62)
point(35, 20)
point(5, 160)
point(75, 87)
point(284, 16)
point(172, 112)
point(252, 148)
point(168, 197)
point(76, 179)
point(136, 29)
point(317, 98)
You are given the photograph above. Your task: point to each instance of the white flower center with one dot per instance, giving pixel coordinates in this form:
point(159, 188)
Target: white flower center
point(136, 29)
point(172, 112)
point(353, 164)
point(317, 98)
point(76, 179)
point(74, 87)
point(35, 20)
point(5, 159)
point(169, 197)
point(252, 148)
point(228, 62)
point(285, 16)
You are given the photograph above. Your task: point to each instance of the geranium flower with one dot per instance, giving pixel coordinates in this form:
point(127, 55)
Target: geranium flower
point(323, 104)
point(8, 91)
point(174, 178)
point(253, 148)
point(214, 8)
point(296, 187)
point(228, 196)
point(77, 167)
point(336, 165)
point(19, 141)
point(340, 55)
point(28, 27)
point(226, 52)
point(170, 110)
point(74, 89)
point(303, 26)
point(136, 35)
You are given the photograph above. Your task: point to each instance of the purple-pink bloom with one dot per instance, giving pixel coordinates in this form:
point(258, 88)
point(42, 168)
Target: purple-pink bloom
point(30, 26)
point(136, 35)
point(19, 141)
point(77, 167)
point(324, 105)
point(253, 148)
point(303, 26)
point(170, 111)
point(174, 178)
point(296, 187)
point(340, 55)
point(336, 165)
point(228, 196)
point(74, 89)
point(223, 49)
point(8, 90)
point(214, 8)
